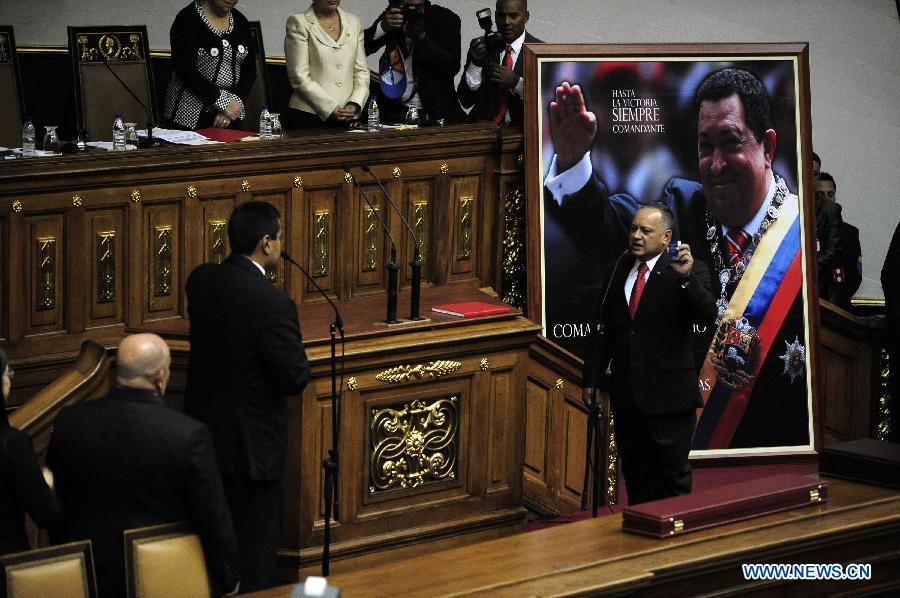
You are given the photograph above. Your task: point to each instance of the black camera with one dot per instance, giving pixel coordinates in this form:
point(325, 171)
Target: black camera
point(492, 39)
point(413, 14)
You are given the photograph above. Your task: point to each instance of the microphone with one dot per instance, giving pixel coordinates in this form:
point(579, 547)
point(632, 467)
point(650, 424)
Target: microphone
point(338, 322)
point(392, 267)
point(416, 263)
point(150, 142)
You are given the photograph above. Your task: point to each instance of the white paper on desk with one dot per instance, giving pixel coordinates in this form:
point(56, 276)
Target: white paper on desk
point(178, 137)
point(104, 145)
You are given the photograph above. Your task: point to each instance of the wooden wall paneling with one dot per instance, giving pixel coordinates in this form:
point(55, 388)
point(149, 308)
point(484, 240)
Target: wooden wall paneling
point(164, 257)
point(138, 272)
point(573, 442)
point(465, 212)
point(46, 251)
point(295, 239)
point(502, 430)
point(321, 256)
point(418, 199)
point(76, 265)
point(16, 283)
point(105, 247)
point(372, 246)
point(537, 425)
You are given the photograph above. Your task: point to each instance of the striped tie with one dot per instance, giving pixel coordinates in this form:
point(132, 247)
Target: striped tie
point(737, 243)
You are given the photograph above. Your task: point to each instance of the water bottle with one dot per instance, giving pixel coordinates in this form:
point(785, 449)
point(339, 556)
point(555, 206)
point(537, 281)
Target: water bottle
point(28, 138)
point(265, 124)
point(374, 116)
point(118, 134)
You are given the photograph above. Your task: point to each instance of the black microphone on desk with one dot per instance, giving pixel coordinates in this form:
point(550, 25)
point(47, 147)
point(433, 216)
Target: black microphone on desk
point(392, 268)
point(332, 462)
point(416, 263)
point(150, 142)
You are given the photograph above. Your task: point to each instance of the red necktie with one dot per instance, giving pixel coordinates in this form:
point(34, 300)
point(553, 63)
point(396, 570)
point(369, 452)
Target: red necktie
point(737, 243)
point(502, 90)
point(638, 289)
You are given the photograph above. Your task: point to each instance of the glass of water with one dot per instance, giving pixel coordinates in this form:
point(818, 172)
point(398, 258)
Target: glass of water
point(51, 140)
point(277, 131)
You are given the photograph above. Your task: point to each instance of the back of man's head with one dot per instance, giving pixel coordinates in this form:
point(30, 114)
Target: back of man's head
point(727, 82)
point(142, 361)
point(249, 223)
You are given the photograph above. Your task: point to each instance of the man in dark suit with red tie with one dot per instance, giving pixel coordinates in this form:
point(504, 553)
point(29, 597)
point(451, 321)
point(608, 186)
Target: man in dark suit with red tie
point(492, 86)
point(246, 358)
point(647, 313)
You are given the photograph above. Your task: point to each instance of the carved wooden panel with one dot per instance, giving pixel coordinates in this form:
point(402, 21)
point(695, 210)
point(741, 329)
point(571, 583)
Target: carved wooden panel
point(4, 304)
point(46, 268)
point(418, 201)
point(163, 259)
point(321, 230)
point(214, 228)
point(106, 245)
point(537, 415)
point(574, 432)
point(499, 448)
point(372, 246)
point(464, 219)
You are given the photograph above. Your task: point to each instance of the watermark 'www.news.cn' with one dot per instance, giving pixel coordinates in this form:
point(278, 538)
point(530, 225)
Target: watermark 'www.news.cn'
point(807, 571)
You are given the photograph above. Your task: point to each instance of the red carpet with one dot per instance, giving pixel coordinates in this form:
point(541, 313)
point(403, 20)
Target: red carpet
point(704, 479)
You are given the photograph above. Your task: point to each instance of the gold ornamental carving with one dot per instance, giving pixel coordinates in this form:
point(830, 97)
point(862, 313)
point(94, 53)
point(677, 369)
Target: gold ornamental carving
point(348, 178)
point(110, 47)
point(77, 201)
point(560, 384)
point(612, 470)
point(520, 159)
point(464, 232)
point(298, 181)
point(320, 253)
point(192, 192)
point(46, 247)
point(245, 185)
point(403, 373)
point(420, 225)
point(106, 266)
point(218, 241)
point(371, 228)
point(513, 248)
point(445, 168)
point(164, 261)
point(352, 383)
point(135, 195)
point(413, 444)
point(485, 365)
point(397, 172)
point(17, 206)
point(886, 402)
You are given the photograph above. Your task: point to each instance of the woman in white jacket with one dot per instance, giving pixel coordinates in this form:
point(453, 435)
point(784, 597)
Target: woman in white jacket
point(326, 65)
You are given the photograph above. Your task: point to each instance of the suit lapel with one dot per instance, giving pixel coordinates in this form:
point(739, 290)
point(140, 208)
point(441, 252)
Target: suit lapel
point(654, 288)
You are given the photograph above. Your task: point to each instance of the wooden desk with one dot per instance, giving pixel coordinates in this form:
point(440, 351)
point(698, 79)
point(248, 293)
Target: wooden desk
point(859, 524)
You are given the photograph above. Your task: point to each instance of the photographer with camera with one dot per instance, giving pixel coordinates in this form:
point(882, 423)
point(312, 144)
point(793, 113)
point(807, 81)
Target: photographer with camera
point(492, 83)
point(428, 38)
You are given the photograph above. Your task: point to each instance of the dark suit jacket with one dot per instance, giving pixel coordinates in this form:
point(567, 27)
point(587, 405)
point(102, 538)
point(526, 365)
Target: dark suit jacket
point(486, 95)
point(830, 240)
point(652, 362)
point(22, 490)
point(246, 357)
point(435, 63)
point(128, 461)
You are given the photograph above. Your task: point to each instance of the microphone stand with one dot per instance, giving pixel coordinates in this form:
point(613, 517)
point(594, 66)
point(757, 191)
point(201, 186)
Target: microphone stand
point(416, 263)
point(150, 141)
point(331, 463)
point(392, 268)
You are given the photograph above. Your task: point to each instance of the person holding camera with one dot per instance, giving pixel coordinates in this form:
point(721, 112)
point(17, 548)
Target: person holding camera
point(492, 86)
point(428, 37)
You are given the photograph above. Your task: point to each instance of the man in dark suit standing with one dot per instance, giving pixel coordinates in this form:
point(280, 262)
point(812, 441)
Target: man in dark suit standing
point(648, 309)
point(429, 39)
point(492, 85)
point(246, 358)
point(128, 461)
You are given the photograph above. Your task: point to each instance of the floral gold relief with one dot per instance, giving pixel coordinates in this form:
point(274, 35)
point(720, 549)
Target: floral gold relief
point(298, 181)
point(371, 228)
point(464, 231)
point(485, 365)
point(135, 196)
point(513, 264)
point(17, 206)
point(886, 402)
point(109, 47)
point(245, 185)
point(445, 168)
point(320, 243)
point(612, 458)
point(106, 267)
point(77, 201)
point(352, 383)
point(420, 225)
point(348, 178)
point(397, 172)
point(404, 373)
point(413, 444)
point(192, 192)
point(164, 261)
point(217, 246)
point(46, 298)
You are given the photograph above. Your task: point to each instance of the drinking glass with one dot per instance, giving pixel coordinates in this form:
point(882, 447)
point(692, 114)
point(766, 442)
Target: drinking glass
point(51, 140)
point(277, 131)
point(131, 136)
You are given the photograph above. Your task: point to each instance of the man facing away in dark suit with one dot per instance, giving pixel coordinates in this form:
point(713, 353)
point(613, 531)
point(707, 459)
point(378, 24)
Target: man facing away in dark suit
point(246, 358)
point(647, 312)
point(492, 85)
point(429, 38)
point(128, 461)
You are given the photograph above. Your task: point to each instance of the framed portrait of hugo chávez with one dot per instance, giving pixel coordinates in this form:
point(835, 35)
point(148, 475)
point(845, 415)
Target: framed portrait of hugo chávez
point(612, 127)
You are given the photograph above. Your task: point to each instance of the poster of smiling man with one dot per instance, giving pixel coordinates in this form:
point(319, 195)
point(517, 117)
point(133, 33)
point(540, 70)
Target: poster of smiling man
point(714, 133)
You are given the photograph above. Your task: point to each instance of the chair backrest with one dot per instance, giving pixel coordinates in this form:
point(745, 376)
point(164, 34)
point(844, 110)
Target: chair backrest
point(99, 55)
point(65, 571)
point(11, 97)
point(259, 92)
point(163, 561)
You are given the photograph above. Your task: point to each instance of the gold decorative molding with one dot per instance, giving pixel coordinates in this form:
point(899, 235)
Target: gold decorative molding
point(886, 401)
point(464, 232)
point(245, 185)
point(485, 364)
point(298, 181)
point(413, 444)
point(320, 255)
point(272, 274)
point(106, 266)
point(5, 54)
point(46, 247)
point(435, 369)
point(164, 261)
point(397, 172)
point(348, 178)
point(371, 228)
point(17, 206)
point(513, 263)
point(352, 383)
point(612, 470)
point(77, 201)
point(192, 191)
point(560, 384)
point(109, 47)
point(217, 235)
point(135, 195)
point(520, 159)
point(420, 225)
point(445, 168)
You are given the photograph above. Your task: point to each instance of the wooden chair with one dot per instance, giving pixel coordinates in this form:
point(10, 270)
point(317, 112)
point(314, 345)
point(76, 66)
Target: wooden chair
point(11, 97)
point(100, 92)
point(65, 571)
point(259, 92)
point(163, 561)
